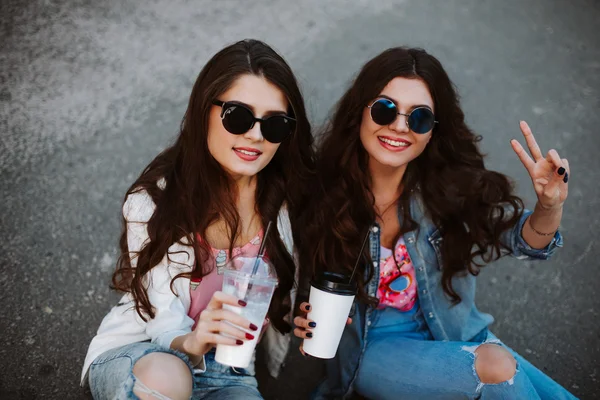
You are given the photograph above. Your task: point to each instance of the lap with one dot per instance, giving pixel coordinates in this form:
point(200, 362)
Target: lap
point(228, 393)
point(417, 368)
point(223, 382)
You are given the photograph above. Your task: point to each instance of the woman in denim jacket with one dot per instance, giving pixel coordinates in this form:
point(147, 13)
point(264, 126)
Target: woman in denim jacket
point(398, 160)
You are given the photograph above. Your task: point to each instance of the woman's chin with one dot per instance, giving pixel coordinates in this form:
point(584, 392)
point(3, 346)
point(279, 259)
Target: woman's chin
point(243, 171)
point(385, 161)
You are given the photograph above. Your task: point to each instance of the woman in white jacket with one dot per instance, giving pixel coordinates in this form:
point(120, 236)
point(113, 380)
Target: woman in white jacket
point(244, 137)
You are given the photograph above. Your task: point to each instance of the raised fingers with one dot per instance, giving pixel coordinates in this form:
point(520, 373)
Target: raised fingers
point(534, 149)
point(528, 163)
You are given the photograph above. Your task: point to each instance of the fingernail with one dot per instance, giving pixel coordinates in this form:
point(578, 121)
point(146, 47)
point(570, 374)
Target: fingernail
point(561, 171)
point(308, 334)
point(239, 342)
point(242, 303)
point(312, 324)
point(566, 178)
point(307, 307)
point(249, 336)
point(253, 327)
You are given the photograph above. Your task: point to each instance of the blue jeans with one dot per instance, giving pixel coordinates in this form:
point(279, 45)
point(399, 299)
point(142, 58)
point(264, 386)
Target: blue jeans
point(396, 367)
point(111, 376)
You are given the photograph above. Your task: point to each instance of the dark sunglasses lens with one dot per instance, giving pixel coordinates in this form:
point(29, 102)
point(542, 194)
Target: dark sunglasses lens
point(237, 119)
point(383, 112)
point(275, 129)
point(421, 120)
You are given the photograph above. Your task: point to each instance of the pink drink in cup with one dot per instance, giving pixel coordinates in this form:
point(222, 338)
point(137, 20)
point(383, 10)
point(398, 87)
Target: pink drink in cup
point(257, 290)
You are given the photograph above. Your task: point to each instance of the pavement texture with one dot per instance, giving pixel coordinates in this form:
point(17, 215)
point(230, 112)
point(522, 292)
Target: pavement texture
point(91, 91)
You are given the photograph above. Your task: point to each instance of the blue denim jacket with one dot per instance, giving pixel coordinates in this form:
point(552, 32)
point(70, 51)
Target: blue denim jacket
point(446, 322)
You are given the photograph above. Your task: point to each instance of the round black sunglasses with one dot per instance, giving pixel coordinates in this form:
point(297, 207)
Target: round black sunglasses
point(239, 119)
point(420, 120)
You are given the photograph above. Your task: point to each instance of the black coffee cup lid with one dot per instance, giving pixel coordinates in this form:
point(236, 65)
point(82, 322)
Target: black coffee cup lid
point(334, 282)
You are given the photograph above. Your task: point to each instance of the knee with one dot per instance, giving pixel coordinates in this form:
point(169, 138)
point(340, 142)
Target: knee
point(494, 364)
point(164, 374)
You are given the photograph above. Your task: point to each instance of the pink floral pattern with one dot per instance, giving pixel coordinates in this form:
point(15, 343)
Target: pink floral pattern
point(397, 283)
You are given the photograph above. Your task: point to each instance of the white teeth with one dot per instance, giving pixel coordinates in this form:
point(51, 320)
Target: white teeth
point(248, 153)
point(394, 143)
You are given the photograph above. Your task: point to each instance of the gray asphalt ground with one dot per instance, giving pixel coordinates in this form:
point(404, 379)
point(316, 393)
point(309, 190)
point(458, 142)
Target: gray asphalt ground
point(91, 91)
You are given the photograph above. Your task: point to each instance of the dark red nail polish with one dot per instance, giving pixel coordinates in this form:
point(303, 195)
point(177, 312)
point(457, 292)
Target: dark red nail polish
point(566, 178)
point(249, 336)
point(308, 334)
point(239, 342)
point(253, 327)
point(561, 171)
point(242, 303)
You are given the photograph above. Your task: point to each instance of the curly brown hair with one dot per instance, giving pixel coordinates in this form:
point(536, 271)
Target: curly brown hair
point(471, 205)
point(199, 192)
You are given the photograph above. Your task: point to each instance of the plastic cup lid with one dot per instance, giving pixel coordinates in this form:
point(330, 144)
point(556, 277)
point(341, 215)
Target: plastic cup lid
point(244, 266)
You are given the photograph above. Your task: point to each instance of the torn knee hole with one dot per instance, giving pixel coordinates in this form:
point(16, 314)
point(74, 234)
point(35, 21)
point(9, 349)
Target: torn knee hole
point(162, 376)
point(494, 364)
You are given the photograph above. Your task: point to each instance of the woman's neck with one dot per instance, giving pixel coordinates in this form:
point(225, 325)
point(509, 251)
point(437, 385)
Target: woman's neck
point(385, 183)
point(246, 200)
point(250, 222)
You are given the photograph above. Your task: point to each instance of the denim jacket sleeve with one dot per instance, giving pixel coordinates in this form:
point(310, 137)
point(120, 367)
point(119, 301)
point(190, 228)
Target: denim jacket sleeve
point(513, 238)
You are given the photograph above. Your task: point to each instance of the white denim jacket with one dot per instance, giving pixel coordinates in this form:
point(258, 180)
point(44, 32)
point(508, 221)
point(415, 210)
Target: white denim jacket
point(122, 325)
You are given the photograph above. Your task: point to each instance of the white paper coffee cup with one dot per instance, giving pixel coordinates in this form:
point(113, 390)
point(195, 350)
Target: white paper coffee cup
point(331, 298)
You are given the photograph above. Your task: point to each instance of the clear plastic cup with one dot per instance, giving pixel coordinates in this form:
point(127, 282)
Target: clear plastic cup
point(256, 290)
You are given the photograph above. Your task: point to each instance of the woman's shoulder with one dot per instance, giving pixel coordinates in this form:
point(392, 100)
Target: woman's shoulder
point(139, 205)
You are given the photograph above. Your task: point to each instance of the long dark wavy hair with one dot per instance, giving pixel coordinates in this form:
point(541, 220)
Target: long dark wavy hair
point(471, 205)
point(199, 192)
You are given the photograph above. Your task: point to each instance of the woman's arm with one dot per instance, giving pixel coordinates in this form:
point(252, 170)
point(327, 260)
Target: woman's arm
point(541, 226)
point(171, 320)
point(549, 176)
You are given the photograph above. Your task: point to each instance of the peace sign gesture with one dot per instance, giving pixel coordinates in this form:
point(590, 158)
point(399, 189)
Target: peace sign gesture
point(549, 174)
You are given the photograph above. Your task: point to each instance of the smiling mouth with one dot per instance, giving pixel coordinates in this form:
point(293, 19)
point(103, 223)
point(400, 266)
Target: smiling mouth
point(394, 143)
point(248, 152)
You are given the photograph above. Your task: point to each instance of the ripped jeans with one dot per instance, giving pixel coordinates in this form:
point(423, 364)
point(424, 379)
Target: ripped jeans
point(111, 376)
point(396, 367)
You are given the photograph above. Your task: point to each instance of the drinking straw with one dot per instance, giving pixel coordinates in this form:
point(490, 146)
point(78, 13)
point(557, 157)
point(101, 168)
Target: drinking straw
point(360, 253)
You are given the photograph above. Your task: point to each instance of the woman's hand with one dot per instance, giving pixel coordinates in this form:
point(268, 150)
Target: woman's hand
point(304, 326)
point(214, 322)
point(549, 174)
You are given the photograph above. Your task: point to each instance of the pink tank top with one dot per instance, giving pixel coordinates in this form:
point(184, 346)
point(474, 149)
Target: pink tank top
point(202, 289)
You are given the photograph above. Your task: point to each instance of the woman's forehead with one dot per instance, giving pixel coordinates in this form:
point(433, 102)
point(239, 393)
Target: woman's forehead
point(408, 92)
